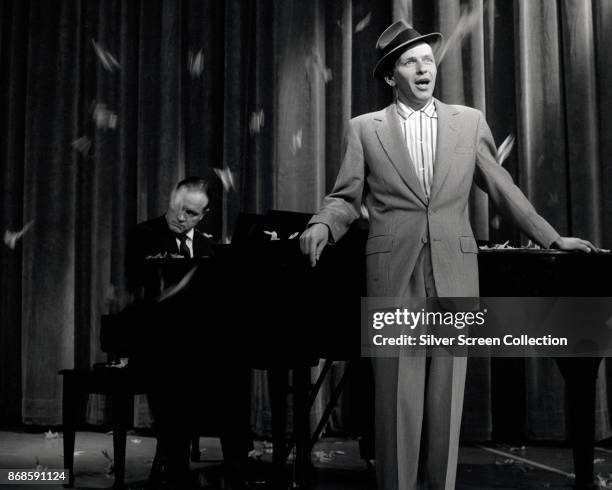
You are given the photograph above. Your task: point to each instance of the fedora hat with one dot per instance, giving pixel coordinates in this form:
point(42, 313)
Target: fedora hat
point(396, 39)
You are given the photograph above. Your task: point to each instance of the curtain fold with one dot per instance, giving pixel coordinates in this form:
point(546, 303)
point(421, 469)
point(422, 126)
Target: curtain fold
point(50, 172)
point(580, 97)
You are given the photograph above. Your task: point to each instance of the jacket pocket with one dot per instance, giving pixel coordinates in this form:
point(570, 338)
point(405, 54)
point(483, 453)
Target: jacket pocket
point(379, 244)
point(378, 253)
point(468, 245)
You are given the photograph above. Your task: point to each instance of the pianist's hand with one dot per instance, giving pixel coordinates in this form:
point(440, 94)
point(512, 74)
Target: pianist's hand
point(313, 241)
point(571, 243)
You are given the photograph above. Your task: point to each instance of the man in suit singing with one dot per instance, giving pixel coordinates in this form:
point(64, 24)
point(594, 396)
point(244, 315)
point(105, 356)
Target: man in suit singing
point(412, 165)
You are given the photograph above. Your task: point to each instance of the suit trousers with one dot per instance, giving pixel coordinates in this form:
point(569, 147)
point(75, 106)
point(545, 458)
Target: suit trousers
point(418, 405)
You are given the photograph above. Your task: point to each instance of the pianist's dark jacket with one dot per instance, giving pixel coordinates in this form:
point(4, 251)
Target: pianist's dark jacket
point(153, 238)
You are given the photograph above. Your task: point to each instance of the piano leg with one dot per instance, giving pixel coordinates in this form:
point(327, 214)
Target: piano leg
point(122, 414)
point(72, 406)
point(301, 425)
point(278, 377)
point(580, 376)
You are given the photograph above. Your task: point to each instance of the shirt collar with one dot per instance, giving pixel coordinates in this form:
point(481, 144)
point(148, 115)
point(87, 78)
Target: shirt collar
point(189, 234)
point(405, 111)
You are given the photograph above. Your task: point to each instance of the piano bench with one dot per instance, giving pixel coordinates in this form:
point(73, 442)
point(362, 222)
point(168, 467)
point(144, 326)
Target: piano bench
point(120, 385)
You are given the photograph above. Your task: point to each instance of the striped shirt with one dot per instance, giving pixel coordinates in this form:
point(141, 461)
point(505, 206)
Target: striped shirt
point(420, 129)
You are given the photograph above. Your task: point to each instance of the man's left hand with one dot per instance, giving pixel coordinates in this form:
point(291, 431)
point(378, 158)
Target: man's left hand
point(572, 243)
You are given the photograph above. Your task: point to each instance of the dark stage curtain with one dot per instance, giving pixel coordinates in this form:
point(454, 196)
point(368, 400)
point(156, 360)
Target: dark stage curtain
point(106, 103)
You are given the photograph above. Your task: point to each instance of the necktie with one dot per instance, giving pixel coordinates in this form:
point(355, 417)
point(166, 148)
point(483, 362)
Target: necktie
point(183, 248)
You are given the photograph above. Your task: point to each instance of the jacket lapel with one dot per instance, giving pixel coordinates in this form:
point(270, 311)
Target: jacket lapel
point(391, 138)
point(445, 147)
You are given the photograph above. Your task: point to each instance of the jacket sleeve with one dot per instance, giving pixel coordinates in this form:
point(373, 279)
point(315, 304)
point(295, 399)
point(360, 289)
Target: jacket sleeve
point(343, 205)
point(508, 199)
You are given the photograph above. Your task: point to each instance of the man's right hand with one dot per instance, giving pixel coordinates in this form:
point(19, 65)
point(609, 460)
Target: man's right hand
point(313, 241)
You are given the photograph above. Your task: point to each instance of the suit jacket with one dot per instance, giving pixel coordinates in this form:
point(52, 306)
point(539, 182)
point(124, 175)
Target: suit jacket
point(153, 237)
point(377, 170)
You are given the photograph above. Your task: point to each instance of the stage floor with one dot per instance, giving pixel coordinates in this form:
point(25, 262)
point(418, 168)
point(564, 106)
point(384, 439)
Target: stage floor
point(336, 460)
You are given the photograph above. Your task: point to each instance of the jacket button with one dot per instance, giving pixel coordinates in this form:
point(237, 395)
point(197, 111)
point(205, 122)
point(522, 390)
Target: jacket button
point(424, 239)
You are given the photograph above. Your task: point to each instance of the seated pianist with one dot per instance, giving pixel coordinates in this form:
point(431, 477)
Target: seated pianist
point(170, 337)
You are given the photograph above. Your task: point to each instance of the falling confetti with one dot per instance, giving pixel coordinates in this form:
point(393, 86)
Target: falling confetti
point(11, 237)
point(467, 22)
point(103, 117)
point(78, 453)
point(273, 235)
point(516, 463)
point(196, 63)
point(226, 176)
point(363, 23)
point(256, 122)
point(496, 222)
point(108, 60)
point(136, 441)
point(553, 198)
point(505, 148)
point(82, 145)
point(296, 142)
point(294, 235)
point(316, 62)
point(174, 289)
point(364, 212)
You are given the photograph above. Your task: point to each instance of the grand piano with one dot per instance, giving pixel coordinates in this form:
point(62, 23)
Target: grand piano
point(278, 313)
